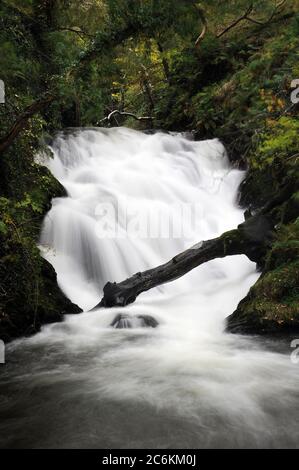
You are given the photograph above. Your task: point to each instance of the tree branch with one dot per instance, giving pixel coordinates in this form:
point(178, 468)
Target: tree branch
point(205, 25)
point(235, 242)
point(236, 22)
point(246, 17)
point(80, 32)
point(165, 63)
point(123, 113)
point(22, 121)
point(252, 238)
point(105, 42)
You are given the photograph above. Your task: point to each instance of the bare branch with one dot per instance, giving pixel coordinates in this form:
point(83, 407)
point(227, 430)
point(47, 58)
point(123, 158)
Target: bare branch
point(205, 25)
point(246, 17)
point(236, 22)
point(202, 35)
point(79, 32)
point(123, 113)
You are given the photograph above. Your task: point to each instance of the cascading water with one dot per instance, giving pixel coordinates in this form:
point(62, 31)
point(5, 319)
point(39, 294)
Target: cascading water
point(180, 191)
point(135, 200)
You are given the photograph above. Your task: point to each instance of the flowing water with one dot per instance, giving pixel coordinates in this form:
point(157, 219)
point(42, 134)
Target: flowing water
point(134, 201)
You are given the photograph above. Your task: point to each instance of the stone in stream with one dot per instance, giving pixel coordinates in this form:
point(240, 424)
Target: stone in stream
point(138, 321)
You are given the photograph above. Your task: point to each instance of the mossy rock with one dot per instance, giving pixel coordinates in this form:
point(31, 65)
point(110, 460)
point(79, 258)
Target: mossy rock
point(255, 316)
point(272, 305)
point(49, 306)
point(291, 209)
point(29, 293)
point(259, 187)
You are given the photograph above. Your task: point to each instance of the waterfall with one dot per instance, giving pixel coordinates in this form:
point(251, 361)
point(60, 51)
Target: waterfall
point(161, 372)
point(136, 200)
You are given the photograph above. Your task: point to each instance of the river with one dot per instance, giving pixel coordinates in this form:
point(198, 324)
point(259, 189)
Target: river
point(134, 201)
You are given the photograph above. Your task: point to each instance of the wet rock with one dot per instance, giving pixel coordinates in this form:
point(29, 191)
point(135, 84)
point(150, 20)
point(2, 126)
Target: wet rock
point(272, 304)
point(148, 321)
point(121, 321)
point(137, 321)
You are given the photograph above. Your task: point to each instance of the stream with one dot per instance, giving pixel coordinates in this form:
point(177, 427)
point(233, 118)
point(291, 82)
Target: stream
point(134, 201)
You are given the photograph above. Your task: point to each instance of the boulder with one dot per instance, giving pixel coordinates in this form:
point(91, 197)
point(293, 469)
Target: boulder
point(136, 321)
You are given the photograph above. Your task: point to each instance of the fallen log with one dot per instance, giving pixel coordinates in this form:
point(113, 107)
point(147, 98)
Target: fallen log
point(251, 239)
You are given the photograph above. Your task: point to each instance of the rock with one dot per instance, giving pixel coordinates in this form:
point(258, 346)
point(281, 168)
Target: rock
point(272, 304)
point(148, 321)
point(21, 318)
point(259, 187)
point(291, 209)
point(60, 304)
point(121, 321)
point(138, 321)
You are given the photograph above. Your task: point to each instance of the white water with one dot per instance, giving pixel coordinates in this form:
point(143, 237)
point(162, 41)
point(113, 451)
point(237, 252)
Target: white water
point(184, 384)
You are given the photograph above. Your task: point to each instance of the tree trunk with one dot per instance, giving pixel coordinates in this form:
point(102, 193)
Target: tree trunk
point(77, 111)
point(251, 238)
point(164, 62)
point(146, 85)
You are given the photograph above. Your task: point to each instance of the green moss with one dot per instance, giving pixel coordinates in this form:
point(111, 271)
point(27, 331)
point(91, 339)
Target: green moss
point(271, 314)
point(279, 140)
point(29, 295)
point(279, 283)
point(273, 302)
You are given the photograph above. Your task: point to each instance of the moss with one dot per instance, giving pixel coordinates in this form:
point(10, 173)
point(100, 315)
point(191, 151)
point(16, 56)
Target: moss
point(282, 253)
point(264, 316)
point(290, 209)
point(273, 302)
point(279, 139)
point(279, 283)
point(260, 186)
point(29, 294)
point(268, 135)
point(249, 108)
